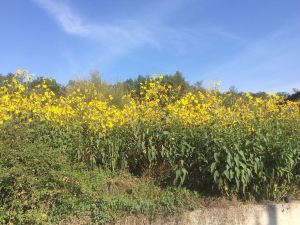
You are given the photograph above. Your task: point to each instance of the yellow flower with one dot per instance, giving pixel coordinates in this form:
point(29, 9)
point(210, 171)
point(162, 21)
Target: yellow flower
point(19, 72)
point(91, 109)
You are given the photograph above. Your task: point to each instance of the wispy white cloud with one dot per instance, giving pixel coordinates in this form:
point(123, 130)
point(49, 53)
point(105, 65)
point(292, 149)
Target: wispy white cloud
point(271, 61)
point(146, 29)
point(74, 24)
point(116, 39)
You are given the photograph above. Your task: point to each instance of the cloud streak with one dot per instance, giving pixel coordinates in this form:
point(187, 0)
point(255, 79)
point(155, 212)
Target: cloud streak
point(129, 33)
point(264, 62)
point(115, 40)
point(147, 29)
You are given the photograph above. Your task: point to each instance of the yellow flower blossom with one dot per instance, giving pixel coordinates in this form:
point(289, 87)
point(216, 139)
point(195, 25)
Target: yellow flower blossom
point(155, 104)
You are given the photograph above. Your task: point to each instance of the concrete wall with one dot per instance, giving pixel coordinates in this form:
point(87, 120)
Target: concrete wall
point(277, 214)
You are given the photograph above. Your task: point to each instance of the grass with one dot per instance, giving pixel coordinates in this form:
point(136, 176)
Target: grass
point(38, 185)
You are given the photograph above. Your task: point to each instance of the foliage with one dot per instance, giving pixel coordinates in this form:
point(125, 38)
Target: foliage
point(39, 185)
point(179, 85)
point(95, 87)
point(216, 143)
point(52, 85)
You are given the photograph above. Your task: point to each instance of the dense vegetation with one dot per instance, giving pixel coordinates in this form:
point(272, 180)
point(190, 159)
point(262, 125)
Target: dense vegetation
point(62, 145)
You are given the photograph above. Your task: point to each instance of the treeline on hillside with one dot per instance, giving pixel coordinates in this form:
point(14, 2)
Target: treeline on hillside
point(96, 84)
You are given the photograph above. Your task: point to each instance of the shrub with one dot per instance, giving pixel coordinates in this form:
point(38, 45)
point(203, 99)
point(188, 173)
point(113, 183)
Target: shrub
point(210, 141)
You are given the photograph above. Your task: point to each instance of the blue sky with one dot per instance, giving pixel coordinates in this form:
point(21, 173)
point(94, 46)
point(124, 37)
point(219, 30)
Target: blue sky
point(252, 44)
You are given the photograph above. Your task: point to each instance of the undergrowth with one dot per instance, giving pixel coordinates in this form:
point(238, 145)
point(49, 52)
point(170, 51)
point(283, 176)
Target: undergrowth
point(39, 185)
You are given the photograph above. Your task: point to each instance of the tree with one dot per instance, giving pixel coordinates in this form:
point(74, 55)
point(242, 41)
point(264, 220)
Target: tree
point(233, 89)
point(177, 81)
point(6, 77)
point(95, 86)
point(198, 86)
point(51, 84)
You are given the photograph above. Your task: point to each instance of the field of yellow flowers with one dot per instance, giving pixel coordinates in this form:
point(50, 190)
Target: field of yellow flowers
point(208, 141)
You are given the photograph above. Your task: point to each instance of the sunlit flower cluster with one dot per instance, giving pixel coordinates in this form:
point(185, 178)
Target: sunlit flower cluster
point(155, 102)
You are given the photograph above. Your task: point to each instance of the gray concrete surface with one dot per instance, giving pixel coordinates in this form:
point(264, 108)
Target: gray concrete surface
point(273, 214)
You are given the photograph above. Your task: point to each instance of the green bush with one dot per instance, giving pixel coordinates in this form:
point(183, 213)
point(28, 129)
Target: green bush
point(39, 184)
